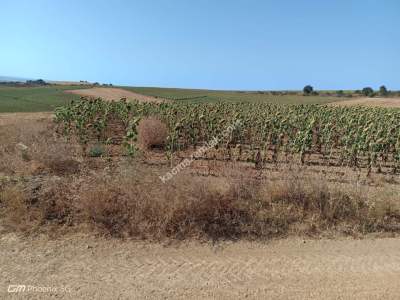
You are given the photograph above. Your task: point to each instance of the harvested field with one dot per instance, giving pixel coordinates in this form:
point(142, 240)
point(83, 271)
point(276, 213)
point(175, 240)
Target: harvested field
point(370, 102)
point(113, 94)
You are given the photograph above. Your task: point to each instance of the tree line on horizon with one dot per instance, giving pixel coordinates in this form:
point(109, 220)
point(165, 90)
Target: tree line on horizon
point(308, 90)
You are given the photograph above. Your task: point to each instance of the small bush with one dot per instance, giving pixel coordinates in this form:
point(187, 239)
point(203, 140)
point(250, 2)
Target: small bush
point(96, 151)
point(152, 133)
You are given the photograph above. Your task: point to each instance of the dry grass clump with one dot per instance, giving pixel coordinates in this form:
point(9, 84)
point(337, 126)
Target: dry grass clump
point(28, 208)
point(152, 133)
point(57, 157)
point(107, 207)
point(189, 209)
point(203, 208)
point(13, 207)
point(31, 148)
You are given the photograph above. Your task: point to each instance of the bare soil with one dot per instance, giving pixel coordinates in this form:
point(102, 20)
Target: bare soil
point(374, 102)
point(14, 118)
point(113, 94)
point(97, 268)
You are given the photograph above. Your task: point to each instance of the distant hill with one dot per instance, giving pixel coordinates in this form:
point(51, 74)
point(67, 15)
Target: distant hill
point(57, 82)
point(13, 79)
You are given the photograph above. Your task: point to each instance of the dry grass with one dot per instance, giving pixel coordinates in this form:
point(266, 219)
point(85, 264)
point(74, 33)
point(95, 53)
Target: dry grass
point(201, 208)
point(13, 207)
point(31, 148)
point(30, 208)
point(152, 133)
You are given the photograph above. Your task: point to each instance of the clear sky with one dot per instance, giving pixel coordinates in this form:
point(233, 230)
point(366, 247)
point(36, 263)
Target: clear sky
point(217, 44)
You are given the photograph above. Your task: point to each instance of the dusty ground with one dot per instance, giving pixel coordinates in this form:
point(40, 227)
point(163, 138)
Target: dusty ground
point(113, 94)
point(13, 118)
point(379, 102)
point(95, 268)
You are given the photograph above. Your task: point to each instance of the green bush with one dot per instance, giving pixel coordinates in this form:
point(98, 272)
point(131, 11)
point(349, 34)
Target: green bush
point(96, 151)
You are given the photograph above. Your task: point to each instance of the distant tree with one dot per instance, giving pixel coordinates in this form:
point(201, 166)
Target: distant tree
point(367, 91)
point(340, 93)
point(383, 91)
point(308, 89)
point(36, 82)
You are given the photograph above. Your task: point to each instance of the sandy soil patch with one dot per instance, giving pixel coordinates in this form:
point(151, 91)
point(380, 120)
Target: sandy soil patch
point(372, 102)
point(113, 94)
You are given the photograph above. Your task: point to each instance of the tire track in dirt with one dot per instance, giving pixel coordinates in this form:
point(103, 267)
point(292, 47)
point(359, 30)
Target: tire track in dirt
point(293, 268)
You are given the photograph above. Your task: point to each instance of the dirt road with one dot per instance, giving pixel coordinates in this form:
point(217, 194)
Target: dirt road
point(113, 94)
point(82, 267)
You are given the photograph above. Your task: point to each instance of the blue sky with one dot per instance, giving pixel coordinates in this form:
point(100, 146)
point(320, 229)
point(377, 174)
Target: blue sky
point(236, 44)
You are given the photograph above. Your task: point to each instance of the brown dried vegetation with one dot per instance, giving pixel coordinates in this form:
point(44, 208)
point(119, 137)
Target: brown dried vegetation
point(197, 208)
point(129, 199)
point(152, 133)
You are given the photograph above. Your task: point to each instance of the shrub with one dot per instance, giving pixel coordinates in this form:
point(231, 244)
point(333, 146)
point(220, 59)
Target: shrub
point(152, 133)
point(96, 151)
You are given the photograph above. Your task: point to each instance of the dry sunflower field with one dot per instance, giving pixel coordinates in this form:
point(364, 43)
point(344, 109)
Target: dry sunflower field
point(281, 170)
point(357, 137)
